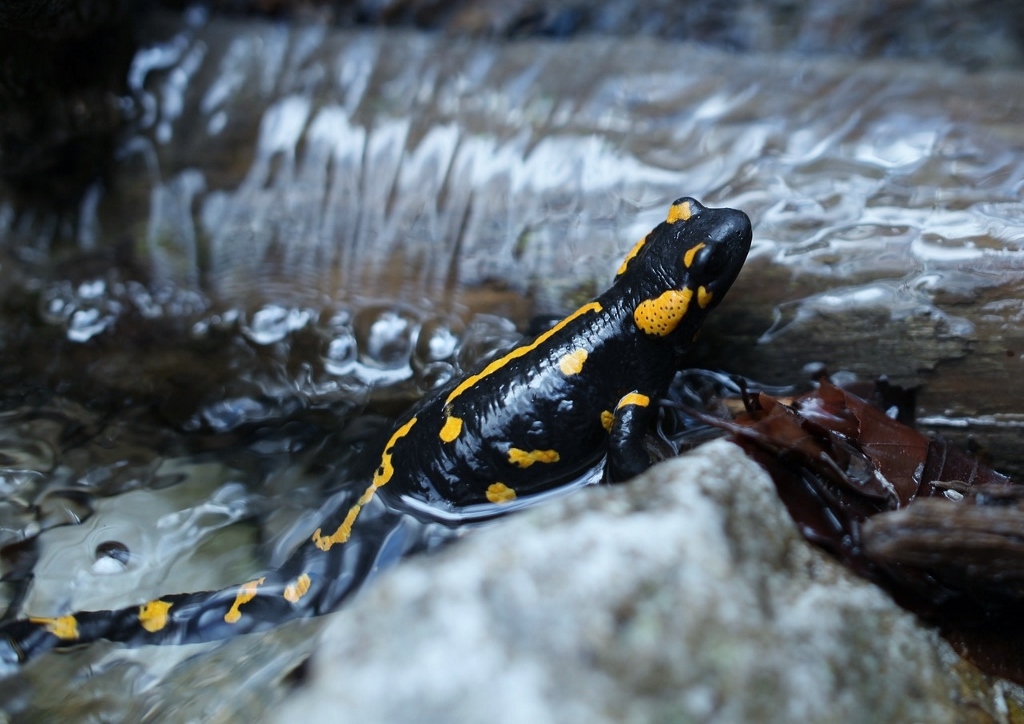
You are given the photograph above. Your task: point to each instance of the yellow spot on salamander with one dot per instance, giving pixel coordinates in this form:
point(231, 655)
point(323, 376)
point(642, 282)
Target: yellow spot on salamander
point(633, 398)
point(607, 420)
point(632, 252)
point(679, 212)
point(153, 615)
point(703, 297)
point(381, 476)
point(526, 458)
point(452, 428)
point(246, 592)
point(344, 531)
point(661, 315)
point(297, 589)
point(520, 351)
point(572, 363)
point(689, 256)
point(63, 627)
point(500, 493)
point(383, 473)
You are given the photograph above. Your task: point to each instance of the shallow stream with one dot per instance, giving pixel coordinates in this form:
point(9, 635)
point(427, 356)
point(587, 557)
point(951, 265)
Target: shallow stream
point(310, 228)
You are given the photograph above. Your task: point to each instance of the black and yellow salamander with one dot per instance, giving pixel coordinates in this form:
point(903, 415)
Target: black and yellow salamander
point(531, 420)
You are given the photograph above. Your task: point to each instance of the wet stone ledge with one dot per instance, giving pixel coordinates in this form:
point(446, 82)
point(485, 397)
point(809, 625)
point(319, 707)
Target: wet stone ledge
point(686, 594)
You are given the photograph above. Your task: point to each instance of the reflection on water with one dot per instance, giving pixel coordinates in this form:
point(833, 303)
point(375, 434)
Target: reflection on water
point(309, 225)
point(401, 165)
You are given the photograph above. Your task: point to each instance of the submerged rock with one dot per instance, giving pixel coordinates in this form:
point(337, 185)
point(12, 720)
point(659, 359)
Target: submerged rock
point(686, 594)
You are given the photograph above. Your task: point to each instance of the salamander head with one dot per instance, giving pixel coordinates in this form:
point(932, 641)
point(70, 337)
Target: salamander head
point(683, 268)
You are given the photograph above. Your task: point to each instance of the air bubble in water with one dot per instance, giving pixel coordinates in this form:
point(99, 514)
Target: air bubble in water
point(87, 323)
point(389, 342)
point(273, 323)
point(111, 557)
point(341, 355)
point(436, 342)
point(92, 290)
point(486, 334)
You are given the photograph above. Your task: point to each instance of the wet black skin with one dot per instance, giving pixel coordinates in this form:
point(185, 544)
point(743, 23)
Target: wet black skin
point(530, 404)
point(538, 397)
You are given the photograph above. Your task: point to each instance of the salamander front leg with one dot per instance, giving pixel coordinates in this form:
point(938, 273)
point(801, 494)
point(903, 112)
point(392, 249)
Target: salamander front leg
point(627, 455)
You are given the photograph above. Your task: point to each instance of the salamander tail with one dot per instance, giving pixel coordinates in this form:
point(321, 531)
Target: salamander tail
point(314, 581)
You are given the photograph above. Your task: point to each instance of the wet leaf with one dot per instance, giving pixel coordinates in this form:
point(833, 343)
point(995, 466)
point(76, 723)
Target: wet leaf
point(932, 524)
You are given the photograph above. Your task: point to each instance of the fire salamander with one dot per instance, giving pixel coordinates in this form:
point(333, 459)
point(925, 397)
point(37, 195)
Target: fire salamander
point(529, 421)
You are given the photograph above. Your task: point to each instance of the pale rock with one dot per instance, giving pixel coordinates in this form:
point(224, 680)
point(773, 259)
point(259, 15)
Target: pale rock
point(685, 595)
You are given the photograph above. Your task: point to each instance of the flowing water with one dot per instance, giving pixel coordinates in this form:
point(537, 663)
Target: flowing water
point(308, 229)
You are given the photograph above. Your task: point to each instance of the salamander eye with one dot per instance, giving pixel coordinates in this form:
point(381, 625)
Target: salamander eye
point(692, 253)
point(711, 265)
